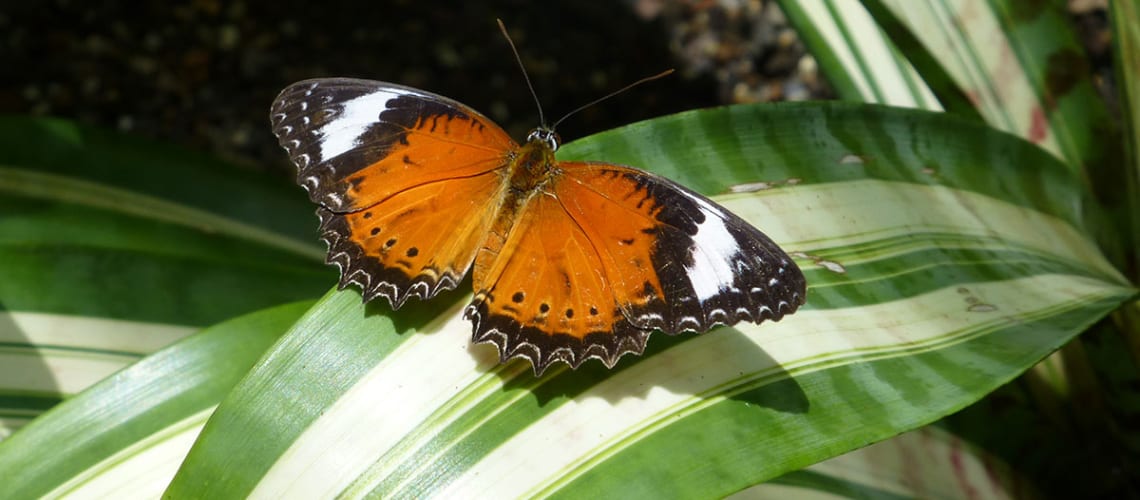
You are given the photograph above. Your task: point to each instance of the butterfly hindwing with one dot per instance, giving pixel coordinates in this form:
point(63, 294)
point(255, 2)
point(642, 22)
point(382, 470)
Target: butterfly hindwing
point(407, 181)
point(415, 243)
point(544, 294)
point(638, 251)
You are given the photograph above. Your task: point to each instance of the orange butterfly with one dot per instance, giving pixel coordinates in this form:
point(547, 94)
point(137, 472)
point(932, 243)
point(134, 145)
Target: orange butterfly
point(573, 260)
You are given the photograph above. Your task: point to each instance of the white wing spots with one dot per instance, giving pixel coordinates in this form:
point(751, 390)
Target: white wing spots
point(714, 251)
point(310, 183)
point(341, 134)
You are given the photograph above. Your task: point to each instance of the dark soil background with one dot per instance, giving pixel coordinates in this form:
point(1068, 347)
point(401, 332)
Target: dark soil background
point(202, 73)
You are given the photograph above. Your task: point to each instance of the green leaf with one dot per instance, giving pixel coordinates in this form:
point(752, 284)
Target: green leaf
point(859, 60)
point(99, 272)
point(1022, 67)
point(1125, 17)
point(126, 435)
point(938, 271)
point(197, 184)
point(935, 464)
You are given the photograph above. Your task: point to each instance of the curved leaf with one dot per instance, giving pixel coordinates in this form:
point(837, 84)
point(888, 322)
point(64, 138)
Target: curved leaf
point(98, 273)
point(943, 258)
point(127, 434)
point(195, 182)
point(860, 62)
point(933, 462)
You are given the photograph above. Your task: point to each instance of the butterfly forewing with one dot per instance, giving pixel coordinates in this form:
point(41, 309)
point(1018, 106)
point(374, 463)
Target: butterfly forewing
point(407, 181)
point(356, 142)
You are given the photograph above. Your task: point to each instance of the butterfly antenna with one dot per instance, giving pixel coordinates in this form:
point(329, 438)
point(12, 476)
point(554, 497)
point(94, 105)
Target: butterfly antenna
point(503, 28)
point(611, 94)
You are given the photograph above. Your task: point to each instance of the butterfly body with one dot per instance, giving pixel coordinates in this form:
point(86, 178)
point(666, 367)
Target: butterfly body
point(570, 260)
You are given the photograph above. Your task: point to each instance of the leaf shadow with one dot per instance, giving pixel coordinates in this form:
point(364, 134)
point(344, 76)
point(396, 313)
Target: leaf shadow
point(39, 389)
point(754, 376)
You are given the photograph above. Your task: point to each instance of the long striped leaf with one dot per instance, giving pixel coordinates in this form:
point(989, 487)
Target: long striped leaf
point(936, 464)
point(1022, 66)
point(102, 264)
point(860, 61)
point(1126, 28)
point(944, 258)
point(127, 435)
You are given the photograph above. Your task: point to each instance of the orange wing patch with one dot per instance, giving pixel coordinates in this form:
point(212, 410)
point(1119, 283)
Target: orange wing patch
point(407, 181)
point(546, 295)
point(712, 267)
point(357, 142)
point(416, 243)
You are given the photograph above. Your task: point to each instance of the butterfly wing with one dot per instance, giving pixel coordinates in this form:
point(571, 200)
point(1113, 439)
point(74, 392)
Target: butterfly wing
point(611, 253)
point(406, 180)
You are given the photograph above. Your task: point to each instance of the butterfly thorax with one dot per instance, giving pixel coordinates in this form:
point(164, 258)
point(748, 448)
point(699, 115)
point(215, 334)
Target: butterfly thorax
point(532, 165)
point(529, 172)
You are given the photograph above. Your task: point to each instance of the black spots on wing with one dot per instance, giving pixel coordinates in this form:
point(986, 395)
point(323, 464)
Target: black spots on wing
point(367, 215)
point(593, 311)
point(412, 252)
point(544, 308)
point(518, 297)
point(375, 231)
point(515, 339)
point(390, 243)
point(360, 267)
point(626, 241)
point(569, 313)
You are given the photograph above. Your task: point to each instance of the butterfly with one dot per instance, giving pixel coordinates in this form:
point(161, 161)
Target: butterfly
point(570, 260)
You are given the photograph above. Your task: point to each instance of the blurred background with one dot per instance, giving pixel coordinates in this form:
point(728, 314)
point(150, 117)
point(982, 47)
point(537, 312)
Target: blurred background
point(202, 73)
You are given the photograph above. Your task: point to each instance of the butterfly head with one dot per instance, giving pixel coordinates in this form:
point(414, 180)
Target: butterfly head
point(545, 135)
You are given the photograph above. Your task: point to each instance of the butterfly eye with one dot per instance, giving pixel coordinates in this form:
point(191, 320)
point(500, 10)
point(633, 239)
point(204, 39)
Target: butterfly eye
point(545, 135)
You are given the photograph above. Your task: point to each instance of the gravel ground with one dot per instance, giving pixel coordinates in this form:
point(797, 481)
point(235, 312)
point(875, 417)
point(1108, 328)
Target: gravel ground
point(202, 73)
